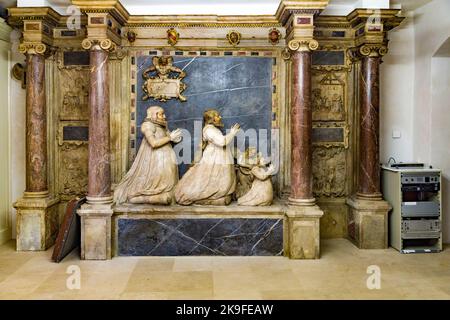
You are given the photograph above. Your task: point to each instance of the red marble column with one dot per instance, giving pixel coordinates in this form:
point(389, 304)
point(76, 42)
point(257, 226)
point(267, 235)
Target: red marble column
point(36, 121)
point(99, 183)
point(369, 166)
point(301, 129)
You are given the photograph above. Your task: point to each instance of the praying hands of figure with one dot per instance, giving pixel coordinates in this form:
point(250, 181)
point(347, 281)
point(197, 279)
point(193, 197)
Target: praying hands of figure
point(176, 135)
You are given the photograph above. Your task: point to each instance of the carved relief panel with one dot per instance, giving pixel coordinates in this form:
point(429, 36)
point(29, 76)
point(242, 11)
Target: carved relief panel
point(73, 134)
point(329, 171)
point(332, 167)
point(328, 95)
point(330, 125)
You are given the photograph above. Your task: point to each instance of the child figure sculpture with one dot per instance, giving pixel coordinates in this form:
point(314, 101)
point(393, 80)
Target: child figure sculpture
point(261, 191)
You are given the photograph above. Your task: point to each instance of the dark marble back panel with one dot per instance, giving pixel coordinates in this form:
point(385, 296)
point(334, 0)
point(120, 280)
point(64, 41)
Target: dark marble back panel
point(239, 87)
point(328, 58)
point(181, 237)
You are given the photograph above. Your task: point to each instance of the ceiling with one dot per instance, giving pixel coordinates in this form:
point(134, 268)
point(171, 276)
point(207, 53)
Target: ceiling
point(220, 7)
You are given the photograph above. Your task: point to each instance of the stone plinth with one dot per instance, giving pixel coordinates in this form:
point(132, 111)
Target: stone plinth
point(37, 221)
point(303, 232)
point(95, 231)
point(368, 223)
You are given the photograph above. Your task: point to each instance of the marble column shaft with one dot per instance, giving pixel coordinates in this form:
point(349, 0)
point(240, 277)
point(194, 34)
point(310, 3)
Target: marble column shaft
point(369, 167)
point(99, 185)
point(36, 122)
point(301, 128)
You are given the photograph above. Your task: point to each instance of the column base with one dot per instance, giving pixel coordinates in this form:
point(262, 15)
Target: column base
point(37, 221)
point(368, 223)
point(302, 202)
point(303, 231)
point(95, 231)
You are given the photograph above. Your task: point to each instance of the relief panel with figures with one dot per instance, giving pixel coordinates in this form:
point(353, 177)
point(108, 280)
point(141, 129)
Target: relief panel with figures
point(328, 96)
point(73, 110)
point(329, 171)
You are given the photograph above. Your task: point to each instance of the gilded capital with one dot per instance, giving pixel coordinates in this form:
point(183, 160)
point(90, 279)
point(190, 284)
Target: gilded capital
point(32, 48)
point(303, 45)
point(373, 50)
point(98, 44)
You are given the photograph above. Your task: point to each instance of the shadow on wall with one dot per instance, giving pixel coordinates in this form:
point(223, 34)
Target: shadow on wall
point(440, 131)
point(445, 207)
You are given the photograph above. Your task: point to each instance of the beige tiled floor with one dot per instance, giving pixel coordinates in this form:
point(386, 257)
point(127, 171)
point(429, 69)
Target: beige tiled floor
point(339, 274)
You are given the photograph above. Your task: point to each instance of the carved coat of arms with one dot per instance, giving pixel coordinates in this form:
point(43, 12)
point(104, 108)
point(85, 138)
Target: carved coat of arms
point(163, 80)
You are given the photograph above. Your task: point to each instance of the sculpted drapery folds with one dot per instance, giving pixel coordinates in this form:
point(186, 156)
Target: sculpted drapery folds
point(154, 173)
point(212, 180)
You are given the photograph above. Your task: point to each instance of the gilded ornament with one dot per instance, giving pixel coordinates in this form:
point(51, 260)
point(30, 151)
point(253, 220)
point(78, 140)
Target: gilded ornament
point(303, 45)
point(32, 48)
point(131, 36)
point(163, 80)
point(274, 36)
point(234, 38)
point(172, 36)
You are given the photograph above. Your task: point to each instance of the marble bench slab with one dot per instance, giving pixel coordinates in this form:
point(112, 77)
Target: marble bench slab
point(146, 230)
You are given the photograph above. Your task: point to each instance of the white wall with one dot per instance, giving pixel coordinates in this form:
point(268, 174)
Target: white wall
point(440, 132)
point(17, 132)
point(432, 29)
point(5, 225)
point(415, 94)
point(396, 94)
point(431, 108)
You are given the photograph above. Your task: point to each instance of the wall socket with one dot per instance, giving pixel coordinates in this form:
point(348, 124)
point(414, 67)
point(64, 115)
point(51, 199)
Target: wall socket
point(396, 134)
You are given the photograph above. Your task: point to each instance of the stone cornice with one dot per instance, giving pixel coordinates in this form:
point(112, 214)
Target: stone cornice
point(204, 21)
point(389, 17)
point(288, 7)
point(113, 7)
point(16, 16)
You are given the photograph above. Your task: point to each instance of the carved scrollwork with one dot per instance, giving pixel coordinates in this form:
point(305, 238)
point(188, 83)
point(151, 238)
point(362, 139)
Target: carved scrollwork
point(303, 45)
point(373, 50)
point(163, 80)
point(32, 48)
point(105, 44)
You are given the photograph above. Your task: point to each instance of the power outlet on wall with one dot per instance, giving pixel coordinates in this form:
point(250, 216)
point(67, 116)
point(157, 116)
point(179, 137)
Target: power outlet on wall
point(396, 134)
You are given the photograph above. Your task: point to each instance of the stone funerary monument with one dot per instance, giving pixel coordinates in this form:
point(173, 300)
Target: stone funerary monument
point(203, 135)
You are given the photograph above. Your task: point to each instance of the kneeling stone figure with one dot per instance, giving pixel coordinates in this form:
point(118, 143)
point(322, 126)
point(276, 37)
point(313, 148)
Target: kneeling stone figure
point(154, 173)
point(261, 191)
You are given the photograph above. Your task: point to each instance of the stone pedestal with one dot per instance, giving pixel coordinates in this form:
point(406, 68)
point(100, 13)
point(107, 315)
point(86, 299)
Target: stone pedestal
point(303, 232)
point(95, 231)
point(368, 223)
point(37, 221)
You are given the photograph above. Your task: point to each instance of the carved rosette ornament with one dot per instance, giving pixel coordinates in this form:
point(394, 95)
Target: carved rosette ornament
point(97, 44)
